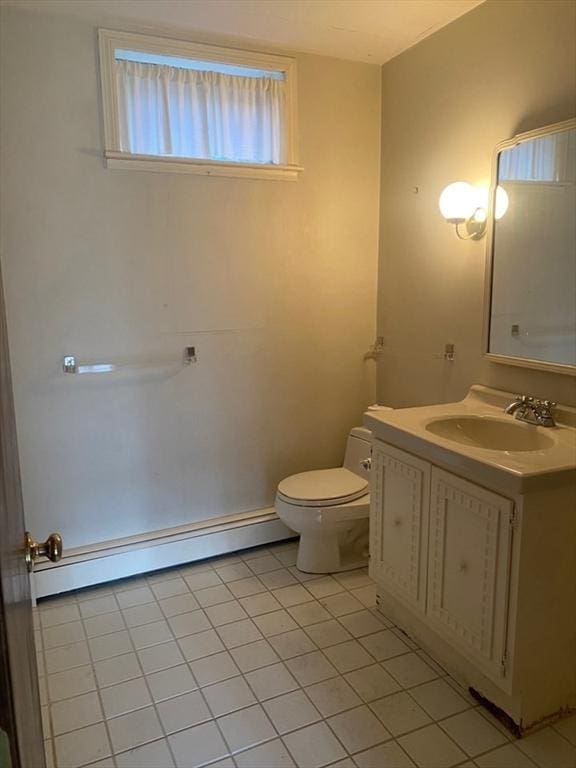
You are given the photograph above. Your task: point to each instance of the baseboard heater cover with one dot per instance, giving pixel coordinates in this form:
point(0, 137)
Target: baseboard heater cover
point(121, 558)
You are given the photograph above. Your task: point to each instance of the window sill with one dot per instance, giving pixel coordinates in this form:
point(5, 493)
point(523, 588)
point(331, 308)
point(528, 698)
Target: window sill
point(126, 161)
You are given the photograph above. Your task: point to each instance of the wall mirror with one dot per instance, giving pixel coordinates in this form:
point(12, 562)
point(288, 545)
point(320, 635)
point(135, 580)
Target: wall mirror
point(531, 267)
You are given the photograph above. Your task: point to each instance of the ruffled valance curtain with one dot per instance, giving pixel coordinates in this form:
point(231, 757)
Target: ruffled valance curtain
point(170, 111)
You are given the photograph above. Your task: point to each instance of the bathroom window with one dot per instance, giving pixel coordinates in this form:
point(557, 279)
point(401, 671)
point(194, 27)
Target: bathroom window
point(171, 105)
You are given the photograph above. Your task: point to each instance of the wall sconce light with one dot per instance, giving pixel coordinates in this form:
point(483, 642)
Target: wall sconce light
point(461, 203)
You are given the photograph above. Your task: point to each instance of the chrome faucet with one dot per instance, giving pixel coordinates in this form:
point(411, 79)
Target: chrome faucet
point(532, 410)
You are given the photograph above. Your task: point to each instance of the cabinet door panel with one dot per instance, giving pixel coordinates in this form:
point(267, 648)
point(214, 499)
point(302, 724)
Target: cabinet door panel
point(469, 558)
point(399, 523)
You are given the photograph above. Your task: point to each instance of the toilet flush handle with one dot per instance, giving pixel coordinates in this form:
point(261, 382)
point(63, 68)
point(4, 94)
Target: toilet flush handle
point(366, 464)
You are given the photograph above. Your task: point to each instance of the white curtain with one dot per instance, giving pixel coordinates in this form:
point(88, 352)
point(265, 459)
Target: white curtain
point(551, 158)
point(177, 112)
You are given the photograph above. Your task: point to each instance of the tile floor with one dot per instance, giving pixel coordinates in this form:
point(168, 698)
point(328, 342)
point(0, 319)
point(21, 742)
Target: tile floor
point(244, 662)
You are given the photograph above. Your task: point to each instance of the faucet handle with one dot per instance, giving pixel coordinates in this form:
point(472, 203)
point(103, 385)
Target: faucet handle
point(549, 404)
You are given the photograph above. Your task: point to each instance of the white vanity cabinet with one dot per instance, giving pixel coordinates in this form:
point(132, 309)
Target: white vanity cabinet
point(442, 545)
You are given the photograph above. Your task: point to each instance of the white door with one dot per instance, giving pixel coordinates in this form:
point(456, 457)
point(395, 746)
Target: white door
point(468, 568)
point(399, 499)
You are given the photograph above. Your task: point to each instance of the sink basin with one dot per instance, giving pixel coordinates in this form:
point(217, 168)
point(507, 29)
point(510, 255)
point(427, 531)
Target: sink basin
point(490, 433)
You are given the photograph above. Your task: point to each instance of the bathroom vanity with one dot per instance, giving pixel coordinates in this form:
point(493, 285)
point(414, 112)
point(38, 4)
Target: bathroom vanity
point(473, 546)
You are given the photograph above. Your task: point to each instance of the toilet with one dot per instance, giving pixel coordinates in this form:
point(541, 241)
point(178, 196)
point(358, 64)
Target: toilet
point(330, 509)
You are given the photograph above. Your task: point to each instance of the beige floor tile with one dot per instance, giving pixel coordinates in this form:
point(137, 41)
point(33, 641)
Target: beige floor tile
point(324, 587)
point(548, 749)
point(400, 713)
point(169, 588)
point(239, 633)
point(372, 682)
point(142, 614)
point(59, 615)
point(105, 624)
point(366, 595)
point(431, 748)
point(172, 606)
point(72, 682)
point(358, 729)
point(225, 613)
point(117, 669)
point(332, 696)
point(409, 670)
point(472, 732)
point(106, 646)
point(508, 756)
point(135, 728)
point(198, 745)
point(293, 643)
point(354, 579)
point(62, 634)
point(348, 656)
point(170, 682)
point(439, 699)
point(201, 644)
point(155, 755)
point(264, 602)
point(387, 755)
point(328, 633)
point(274, 623)
point(295, 594)
point(159, 657)
point(213, 669)
point(341, 604)
point(189, 623)
point(276, 579)
point(314, 746)
point(254, 655)
point(151, 634)
point(311, 668)
point(133, 597)
point(98, 606)
point(362, 623)
point(267, 682)
point(309, 613)
point(264, 564)
point(203, 580)
point(213, 596)
point(246, 728)
point(273, 754)
point(567, 728)
point(71, 714)
point(66, 657)
point(83, 746)
point(233, 572)
point(384, 645)
point(291, 711)
point(183, 711)
point(228, 696)
point(125, 697)
point(246, 587)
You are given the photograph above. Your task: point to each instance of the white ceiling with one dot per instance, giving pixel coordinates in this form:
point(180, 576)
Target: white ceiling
point(363, 30)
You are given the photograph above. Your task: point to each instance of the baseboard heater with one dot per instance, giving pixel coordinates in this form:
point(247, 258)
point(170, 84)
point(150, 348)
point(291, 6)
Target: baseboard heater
point(119, 558)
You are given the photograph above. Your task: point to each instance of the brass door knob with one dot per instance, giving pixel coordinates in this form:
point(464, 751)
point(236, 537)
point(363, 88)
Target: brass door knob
point(51, 548)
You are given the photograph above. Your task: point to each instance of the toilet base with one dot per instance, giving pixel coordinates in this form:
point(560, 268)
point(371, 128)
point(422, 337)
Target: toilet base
point(334, 551)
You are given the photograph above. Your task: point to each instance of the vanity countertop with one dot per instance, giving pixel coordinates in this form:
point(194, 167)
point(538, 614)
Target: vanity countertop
point(548, 459)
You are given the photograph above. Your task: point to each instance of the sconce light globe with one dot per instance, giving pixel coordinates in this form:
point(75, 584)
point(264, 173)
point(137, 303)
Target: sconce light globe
point(501, 203)
point(458, 202)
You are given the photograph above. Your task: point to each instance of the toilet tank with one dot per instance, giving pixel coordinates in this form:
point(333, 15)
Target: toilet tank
point(358, 448)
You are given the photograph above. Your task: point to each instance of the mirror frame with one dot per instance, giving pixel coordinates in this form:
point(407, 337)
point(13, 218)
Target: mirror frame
point(523, 362)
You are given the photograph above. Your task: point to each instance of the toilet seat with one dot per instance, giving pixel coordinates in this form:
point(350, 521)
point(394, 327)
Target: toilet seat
point(321, 488)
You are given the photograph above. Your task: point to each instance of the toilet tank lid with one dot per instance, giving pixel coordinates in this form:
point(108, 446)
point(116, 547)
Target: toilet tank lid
point(362, 433)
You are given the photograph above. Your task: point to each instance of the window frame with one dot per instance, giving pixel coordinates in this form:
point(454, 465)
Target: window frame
point(110, 40)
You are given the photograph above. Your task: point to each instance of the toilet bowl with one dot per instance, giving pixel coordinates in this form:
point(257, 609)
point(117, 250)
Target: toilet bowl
point(330, 509)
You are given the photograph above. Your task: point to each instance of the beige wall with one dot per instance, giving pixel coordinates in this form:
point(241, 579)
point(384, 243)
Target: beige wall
point(506, 67)
point(274, 282)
